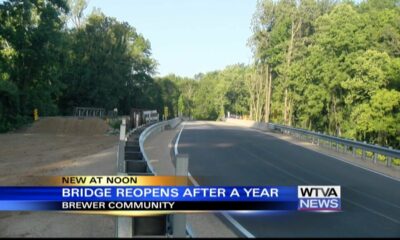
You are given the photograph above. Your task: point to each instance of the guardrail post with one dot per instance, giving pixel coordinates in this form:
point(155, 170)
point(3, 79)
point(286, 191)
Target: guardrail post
point(179, 220)
point(122, 130)
point(124, 224)
point(364, 152)
point(389, 159)
point(121, 148)
point(349, 146)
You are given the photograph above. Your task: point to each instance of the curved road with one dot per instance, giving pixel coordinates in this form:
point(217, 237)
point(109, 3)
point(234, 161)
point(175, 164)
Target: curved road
point(222, 154)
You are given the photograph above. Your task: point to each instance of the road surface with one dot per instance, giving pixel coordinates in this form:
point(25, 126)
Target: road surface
point(222, 154)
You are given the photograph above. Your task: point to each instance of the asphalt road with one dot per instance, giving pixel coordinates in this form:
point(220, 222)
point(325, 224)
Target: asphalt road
point(226, 155)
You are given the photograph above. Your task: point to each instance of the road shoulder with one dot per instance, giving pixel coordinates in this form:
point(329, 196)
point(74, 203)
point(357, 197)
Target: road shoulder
point(344, 157)
point(158, 149)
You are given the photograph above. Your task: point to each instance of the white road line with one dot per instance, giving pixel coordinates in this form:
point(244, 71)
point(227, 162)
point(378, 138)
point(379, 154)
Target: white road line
point(235, 223)
point(245, 232)
point(238, 226)
point(329, 155)
point(309, 183)
point(177, 139)
point(373, 211)
point(326, 179)
point(193, 180)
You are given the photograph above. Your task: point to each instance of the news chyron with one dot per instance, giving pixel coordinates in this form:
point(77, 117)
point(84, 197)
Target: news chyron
point(319, 198)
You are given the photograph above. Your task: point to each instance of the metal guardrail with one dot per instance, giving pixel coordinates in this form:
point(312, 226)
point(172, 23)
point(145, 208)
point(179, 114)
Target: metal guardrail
point(388, 154)
point(146, 131)
point(377, 154)
point(89, 112)
point(132, 159)
point(130, 162)
point(153, 129)
point(346, 143)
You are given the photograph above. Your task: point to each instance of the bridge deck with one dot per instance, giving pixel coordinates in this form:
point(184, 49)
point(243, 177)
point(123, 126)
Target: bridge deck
point(230, 155)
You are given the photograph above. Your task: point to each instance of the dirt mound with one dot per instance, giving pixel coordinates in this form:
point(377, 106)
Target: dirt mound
point(69, 126)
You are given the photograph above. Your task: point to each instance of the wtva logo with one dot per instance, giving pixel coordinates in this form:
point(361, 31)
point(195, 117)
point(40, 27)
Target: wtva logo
point(319, 198)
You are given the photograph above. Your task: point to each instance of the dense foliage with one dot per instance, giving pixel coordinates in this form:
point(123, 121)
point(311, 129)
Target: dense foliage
point(44, 64)
point(325, 65)
point(30, 52)
point(335, 66)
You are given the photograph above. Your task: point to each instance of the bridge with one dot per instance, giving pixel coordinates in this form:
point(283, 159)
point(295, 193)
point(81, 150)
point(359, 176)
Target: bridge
point(237, 152)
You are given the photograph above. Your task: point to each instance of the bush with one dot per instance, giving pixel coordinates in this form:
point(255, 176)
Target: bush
point(115, 123)
point(396, 161)
point(9, 107)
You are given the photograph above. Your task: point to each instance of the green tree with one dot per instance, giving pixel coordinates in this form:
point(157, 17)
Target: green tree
point(328, 61)
point(109, 66)
point(31, 47)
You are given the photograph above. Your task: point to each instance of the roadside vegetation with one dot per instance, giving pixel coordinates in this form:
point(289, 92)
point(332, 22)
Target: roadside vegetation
point(324, 65)
point(327, 66)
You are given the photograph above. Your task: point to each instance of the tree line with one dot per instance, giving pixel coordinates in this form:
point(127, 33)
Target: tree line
point(54, 58)
point(334, 66)
point(323, 65)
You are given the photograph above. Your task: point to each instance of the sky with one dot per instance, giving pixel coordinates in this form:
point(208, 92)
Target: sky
point(188, 36)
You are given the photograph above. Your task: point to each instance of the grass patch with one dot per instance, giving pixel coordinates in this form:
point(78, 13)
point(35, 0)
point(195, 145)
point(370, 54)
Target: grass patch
point(381, 158)
point(115, 123)
point(359, 152)
point(369, 154)
point(396, 161)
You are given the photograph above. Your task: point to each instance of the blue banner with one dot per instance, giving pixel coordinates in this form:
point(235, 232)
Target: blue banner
point(141, 193)
point(169, 198)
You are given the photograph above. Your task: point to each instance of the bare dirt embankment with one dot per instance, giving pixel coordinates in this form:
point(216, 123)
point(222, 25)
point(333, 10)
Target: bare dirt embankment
point(69, 126)
point(53, 147)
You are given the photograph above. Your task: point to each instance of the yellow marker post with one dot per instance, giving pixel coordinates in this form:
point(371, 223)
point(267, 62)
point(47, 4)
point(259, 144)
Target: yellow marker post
point(35, 114)
point(165, 113)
